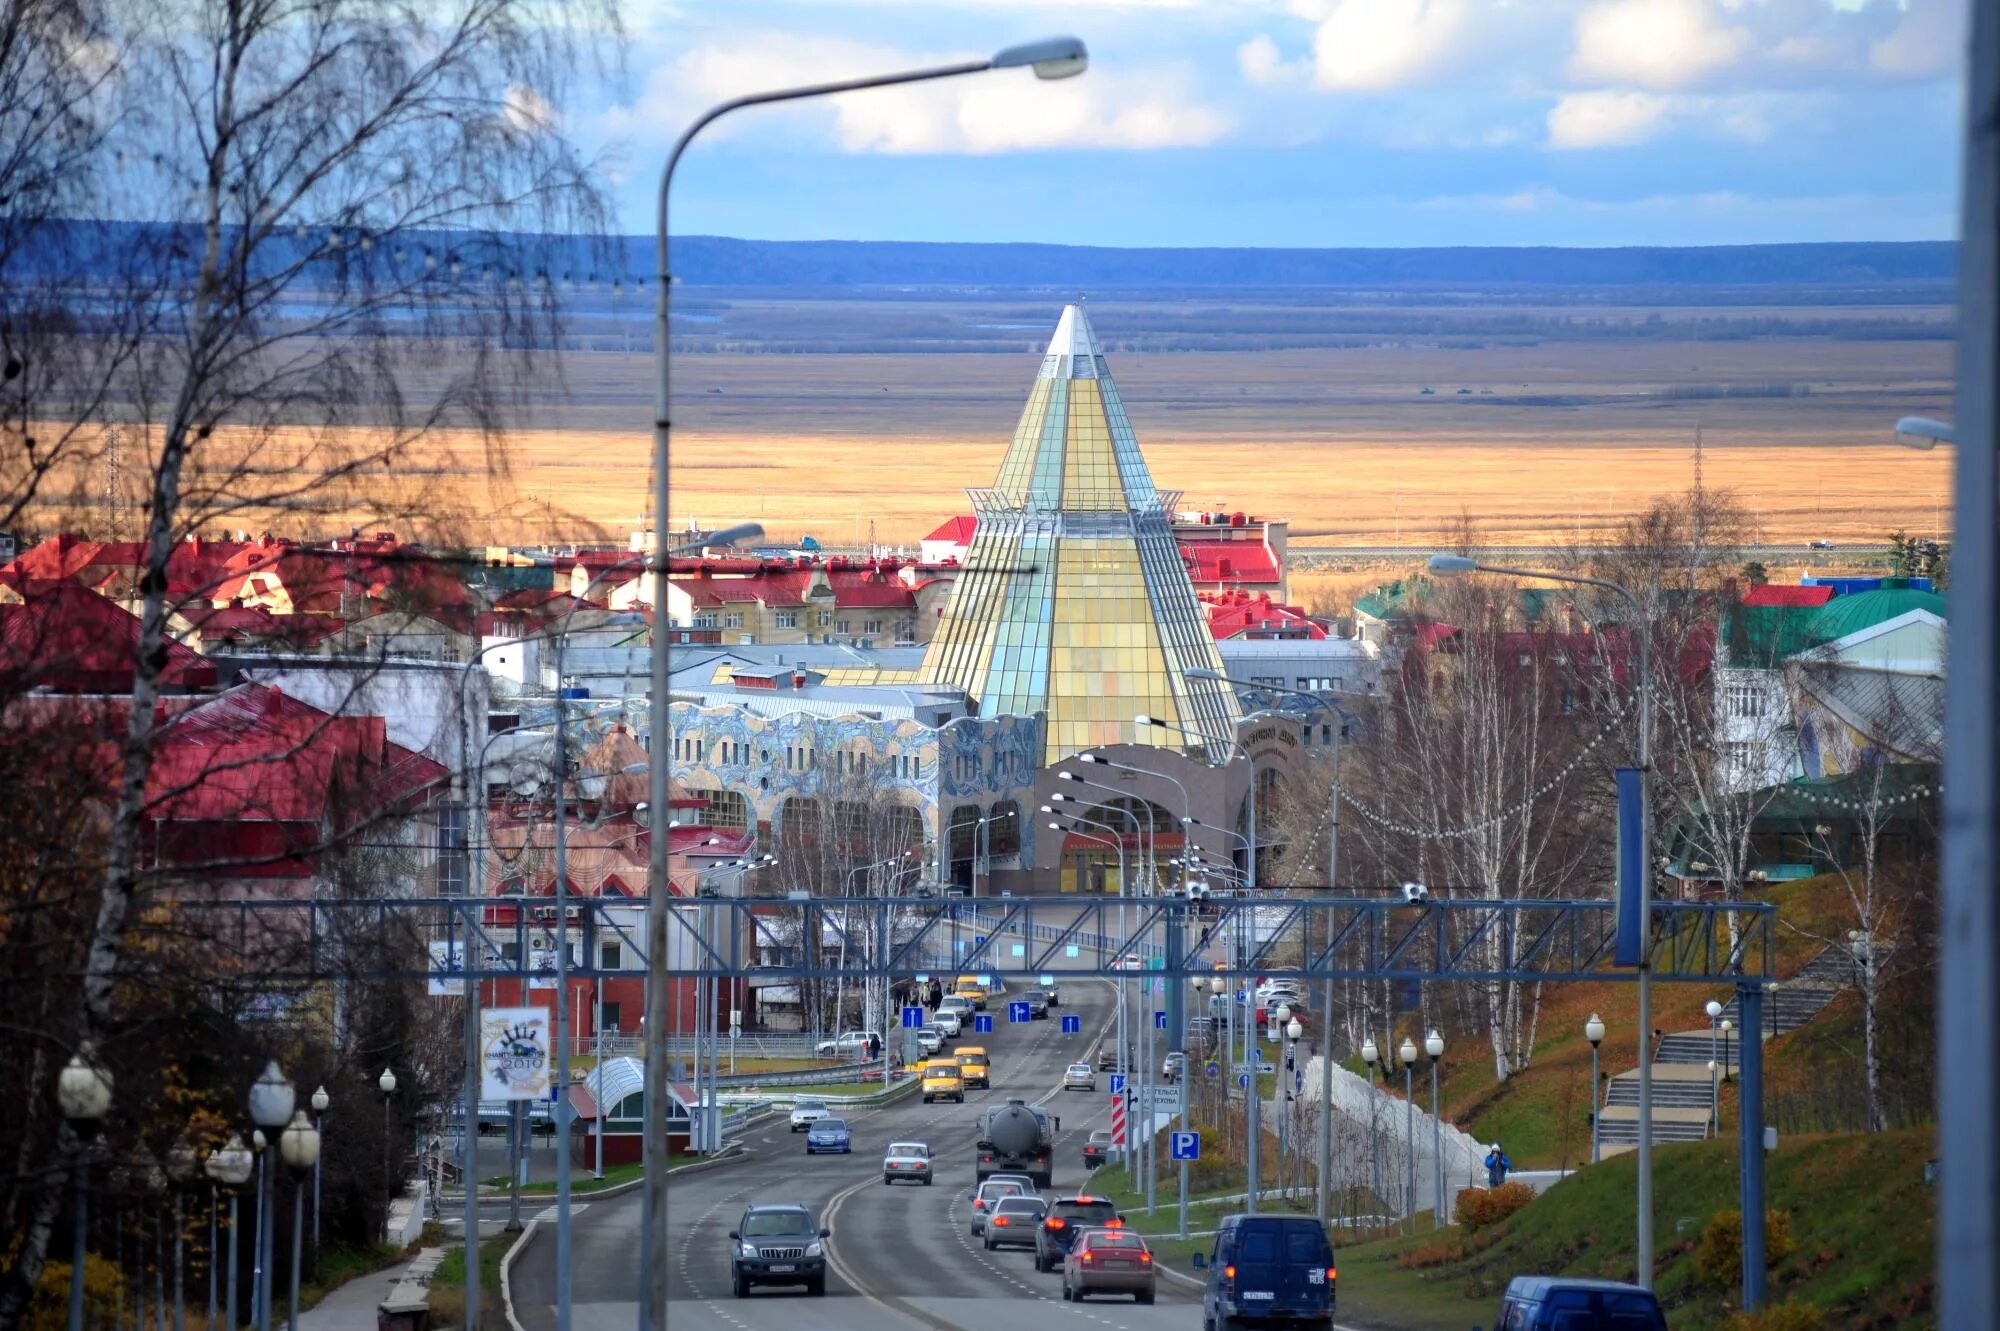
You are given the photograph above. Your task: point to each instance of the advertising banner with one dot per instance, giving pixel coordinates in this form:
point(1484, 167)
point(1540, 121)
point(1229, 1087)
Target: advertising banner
point(515, 1059)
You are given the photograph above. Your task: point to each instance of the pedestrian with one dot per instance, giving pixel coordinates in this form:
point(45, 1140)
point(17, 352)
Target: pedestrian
point(1497, 1165)
point(874, 1047)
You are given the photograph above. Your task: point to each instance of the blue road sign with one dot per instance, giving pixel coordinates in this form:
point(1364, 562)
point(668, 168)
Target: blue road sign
point(1184, 1146)
point(1072, 1025)
point(983, 1023)
point(1068, 951)
point(1018, 1011)
point(922, 978)
point(1046, 981)
point(1212, 1068)
point(913, 1017)
point(1159, 1020)
point(1242, 1081)
point(1117, 1083)
point(1016, 949)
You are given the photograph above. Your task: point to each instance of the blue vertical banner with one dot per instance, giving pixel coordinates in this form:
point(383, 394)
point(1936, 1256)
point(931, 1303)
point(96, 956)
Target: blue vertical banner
point(1630, 944)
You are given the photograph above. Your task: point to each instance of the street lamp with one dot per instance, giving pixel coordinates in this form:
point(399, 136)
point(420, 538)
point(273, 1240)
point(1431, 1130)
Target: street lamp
point(257, 1144)
point(1373, 1056)
point(1052, 58)
point(183, 1172)
point(1293, 1030)
point(1453, 565)
point(320, 1100)
point(1593, 1031)
point(299, 1147)
point(272, 1099)
point(230, 1169)
point(1434, 1046)
point(83, 1094)
point(385, 1085)
point(1408, 1054)
point(1923, 433)
point(1727, 1027)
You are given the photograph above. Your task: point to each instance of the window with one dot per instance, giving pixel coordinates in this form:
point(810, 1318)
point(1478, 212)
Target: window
point(611, 1024)
point(788, 619)
point(453, 871)
point(610, 956)
point(1746, 699)
point(705, 620)
point(734, 620)
point(845, 626)
point(1738, 755)
point(825, 618)
point(871, 626)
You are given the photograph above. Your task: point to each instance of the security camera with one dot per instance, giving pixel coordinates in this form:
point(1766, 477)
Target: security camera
point(1415, 893)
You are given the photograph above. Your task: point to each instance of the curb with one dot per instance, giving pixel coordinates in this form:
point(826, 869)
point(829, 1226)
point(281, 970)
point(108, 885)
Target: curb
point(507, 1274)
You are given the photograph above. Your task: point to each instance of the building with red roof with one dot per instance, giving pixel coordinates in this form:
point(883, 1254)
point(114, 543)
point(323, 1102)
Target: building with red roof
point(1241, 615)
point(64, 638)
point(1787, 594)
point(881, 602)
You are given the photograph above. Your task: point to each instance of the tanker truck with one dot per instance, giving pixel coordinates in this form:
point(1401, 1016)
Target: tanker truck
point(1016, 1139)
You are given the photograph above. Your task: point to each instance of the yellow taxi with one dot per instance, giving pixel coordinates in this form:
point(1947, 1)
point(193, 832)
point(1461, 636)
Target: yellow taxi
point(968, 986)
point(942, 1081)
point(973, 1067)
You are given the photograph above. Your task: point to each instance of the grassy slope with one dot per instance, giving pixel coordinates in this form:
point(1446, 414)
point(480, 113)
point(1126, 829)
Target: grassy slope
point(1541, 1115)
point(1838, 1191)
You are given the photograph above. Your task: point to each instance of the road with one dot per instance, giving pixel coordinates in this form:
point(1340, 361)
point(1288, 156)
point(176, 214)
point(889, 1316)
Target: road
point(901, 1257)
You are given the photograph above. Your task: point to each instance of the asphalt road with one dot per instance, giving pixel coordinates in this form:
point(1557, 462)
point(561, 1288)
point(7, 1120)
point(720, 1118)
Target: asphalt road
point(902, 1258)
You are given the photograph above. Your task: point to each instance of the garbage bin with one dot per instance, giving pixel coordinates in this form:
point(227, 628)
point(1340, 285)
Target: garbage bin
point(403, 1315)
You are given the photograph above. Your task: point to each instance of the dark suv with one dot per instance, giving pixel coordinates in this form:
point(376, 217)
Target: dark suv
point(1268, 1269)
point(778, 1245)
point(1066, 1218)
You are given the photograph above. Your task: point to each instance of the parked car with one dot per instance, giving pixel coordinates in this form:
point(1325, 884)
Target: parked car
point(1013, 1221)
point(848, 1044)
point(1108, 1261)
point(907, 1162)
point(987, 1195)
point(829, 1136)
point(1079, 1077)
point(778, 1245)
point(1098, 1149)
point(1069, 1217)
point(805, 1113)
point(1271, 1268)
point(1548, 1303)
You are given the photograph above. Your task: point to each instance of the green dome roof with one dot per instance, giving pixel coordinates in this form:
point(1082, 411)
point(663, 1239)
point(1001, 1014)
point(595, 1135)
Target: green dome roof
point(1850, 614)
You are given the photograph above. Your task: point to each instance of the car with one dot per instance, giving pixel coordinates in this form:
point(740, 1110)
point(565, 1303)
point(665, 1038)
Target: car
point(1079, 1077)
point(1055, 996)
point(1038, 1004)
point(829, 1136)
point(1270, 1269)
point(947, 1022)
point(1026, 1184)
point(957, 1005)
point(1277, 991)
point(987, 1195)
point(1012, 1222)
point(848, 1044)
point(1067, 1218)
point(907, 1162)
point(805, 1113)
point(778, 1245)
point(1542, 1303)
point(1822, 544)
point(1107, 1057)
point(972, 1065)
point(1173, 1066)
point(943, 1081)
point(1108, 1261)
point(930, 1039)
point(969, 988)
point(1098, 1149)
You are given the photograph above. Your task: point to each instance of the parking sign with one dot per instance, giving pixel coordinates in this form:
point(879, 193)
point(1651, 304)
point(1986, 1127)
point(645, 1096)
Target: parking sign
point(1184, 1145)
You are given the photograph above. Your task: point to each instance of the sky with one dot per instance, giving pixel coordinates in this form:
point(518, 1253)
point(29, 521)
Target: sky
point(1300, 122)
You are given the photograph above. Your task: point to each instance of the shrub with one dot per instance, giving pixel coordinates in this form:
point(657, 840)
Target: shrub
point(1431, 1254)
point(1478, 1207)
point(1718, 1262)
point(1780, 1317)
point(104, 1295)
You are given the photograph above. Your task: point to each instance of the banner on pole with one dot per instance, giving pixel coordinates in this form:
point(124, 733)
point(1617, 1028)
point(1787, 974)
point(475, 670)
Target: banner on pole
point(447, 979)
point(514, 1054)
point(1629, 945)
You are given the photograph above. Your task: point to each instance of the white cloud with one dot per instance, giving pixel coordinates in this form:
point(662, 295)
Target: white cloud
point(1380, 45)
point(1606, 119)
point(1009, 110)
point(527, 110)
point(1928, 42)
point(1658, 44)
point(1265, 66)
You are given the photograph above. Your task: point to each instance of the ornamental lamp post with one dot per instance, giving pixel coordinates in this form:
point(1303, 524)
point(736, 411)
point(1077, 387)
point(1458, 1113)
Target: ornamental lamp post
point(83, 1094)
point(299, 1148)
point(1593, 1031)
point(1373, 1056)
point(272, 1100)
point(1727, 1027)
point(1293, 1030)
point(183, 1172)
point(385, 1085)
point(1434, 1046)
point(1714, 1010)
point(320, 1101)
point(231, 1168)
point(1408, 1053)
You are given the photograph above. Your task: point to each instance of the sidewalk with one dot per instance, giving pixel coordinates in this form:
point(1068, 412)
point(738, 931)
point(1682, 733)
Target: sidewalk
point(352, 1306)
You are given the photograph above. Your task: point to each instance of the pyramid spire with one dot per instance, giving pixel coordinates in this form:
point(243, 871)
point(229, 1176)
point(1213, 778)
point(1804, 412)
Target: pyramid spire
point(1074, 601)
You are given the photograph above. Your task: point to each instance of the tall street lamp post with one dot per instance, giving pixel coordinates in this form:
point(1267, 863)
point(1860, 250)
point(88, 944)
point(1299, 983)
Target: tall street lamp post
point(320, 1101)
point(1289, 1096)
point(298, 1146)
point(1593, 1031)
point(1373, 1056)
point(1055, 58)
point(183, 1173)
point(83, 1094)
point(1459, 564)
point(231, 1170)
point(385, 1086)
point(1408, 1053)
point(257, 1144)
point(1434, 1046)
point(272, 1100)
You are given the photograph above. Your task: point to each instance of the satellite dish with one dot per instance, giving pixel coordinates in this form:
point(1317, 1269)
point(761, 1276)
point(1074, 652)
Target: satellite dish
point(524, 778)
point(592, 784)
point(643, 816)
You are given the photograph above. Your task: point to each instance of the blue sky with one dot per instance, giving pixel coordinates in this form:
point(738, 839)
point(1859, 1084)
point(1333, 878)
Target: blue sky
point(1304, 122)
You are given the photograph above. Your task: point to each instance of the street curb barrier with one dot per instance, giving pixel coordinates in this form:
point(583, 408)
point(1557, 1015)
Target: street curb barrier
point(506, 1275)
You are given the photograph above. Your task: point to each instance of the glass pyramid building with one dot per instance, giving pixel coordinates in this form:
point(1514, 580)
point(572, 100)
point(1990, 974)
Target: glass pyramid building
point(1073, 600)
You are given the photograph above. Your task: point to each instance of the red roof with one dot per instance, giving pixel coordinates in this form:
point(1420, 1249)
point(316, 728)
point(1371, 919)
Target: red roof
point(1231, 614)
point(958, 530)
point(783, 584)
point(194, 567)
point(64, 637)
point(1229, 561)
point(222, 626)
point(1787, 594)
